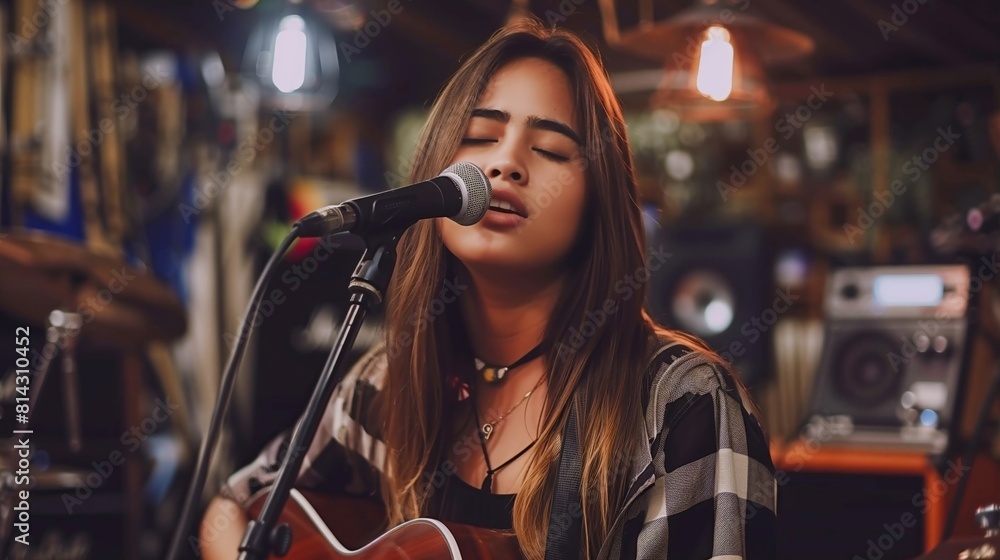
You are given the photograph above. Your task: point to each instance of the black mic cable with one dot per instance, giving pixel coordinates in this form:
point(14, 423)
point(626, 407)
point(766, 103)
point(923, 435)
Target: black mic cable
point(222, 401)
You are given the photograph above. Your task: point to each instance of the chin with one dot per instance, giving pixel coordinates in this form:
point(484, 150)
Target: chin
point(478, 247)
point(489, 257)
point(486, 256)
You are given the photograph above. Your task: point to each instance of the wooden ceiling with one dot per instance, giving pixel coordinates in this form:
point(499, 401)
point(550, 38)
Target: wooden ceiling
point(414, 53)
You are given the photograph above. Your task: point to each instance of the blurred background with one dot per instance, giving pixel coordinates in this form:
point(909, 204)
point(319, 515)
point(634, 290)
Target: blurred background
point(825, 175)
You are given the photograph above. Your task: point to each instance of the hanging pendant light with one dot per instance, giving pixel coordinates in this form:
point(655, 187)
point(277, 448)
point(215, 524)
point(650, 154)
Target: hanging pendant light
point(713, 57)
point(291, 58)
point(722, 81)
point(714, 75)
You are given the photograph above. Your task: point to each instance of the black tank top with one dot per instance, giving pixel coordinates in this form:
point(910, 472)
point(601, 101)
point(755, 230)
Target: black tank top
point(468, 505)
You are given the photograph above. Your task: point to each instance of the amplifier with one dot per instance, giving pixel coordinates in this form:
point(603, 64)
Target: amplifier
point(895, 346)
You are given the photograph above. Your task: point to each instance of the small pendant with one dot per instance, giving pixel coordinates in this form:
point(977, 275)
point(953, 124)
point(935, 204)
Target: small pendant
point(490, 374)
point(487, 430)
point(460, 388)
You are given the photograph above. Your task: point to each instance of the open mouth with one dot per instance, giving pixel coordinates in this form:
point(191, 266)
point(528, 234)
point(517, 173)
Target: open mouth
point(504, 208)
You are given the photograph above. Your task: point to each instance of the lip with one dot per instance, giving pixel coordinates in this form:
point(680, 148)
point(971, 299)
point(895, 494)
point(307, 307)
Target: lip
point(501, 220)
point(512, 199)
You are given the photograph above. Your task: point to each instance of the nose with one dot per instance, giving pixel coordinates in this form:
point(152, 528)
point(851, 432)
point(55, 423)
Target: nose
point(506, 166)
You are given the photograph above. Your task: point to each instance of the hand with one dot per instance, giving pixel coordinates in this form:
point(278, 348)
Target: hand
point(222, 529)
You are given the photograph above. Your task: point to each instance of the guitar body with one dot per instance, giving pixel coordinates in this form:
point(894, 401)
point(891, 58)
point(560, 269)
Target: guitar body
point(336, 527)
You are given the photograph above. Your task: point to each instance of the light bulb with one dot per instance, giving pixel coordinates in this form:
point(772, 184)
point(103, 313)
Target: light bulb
point(715, 65)
point(288, 68)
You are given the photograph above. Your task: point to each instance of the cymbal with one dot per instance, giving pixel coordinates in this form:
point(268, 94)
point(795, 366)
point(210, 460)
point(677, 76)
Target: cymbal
point(121, 304)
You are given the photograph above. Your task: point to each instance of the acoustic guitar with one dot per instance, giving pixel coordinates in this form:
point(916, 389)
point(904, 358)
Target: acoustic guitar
point(337, 527)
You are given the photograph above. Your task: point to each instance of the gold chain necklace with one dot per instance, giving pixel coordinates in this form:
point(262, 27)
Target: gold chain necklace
point(487, 428)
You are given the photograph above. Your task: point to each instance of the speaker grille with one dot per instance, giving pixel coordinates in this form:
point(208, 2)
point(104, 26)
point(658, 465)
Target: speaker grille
point(863, 372)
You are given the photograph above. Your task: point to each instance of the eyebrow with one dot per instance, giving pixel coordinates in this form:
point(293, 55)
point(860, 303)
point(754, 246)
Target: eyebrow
point(533, 122)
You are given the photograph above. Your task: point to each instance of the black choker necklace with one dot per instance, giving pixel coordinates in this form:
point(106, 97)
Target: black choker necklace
point(494, 374)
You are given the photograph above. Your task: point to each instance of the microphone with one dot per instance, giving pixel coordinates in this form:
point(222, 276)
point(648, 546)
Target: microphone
point(461, 192)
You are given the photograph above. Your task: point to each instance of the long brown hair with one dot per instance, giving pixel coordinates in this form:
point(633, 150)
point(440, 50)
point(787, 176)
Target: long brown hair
point(607, 360)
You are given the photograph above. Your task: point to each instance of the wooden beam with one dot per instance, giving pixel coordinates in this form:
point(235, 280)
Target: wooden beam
point(826, 41)
point(492, 8)
point(425, 31)
point(973, 28)
point(911, 34)
point(609, 22)
point(162, 28)
point(909, 80)
point(881, 147)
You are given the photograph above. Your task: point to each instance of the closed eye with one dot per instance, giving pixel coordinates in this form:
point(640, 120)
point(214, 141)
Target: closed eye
point(545, 153)
point(552, 156)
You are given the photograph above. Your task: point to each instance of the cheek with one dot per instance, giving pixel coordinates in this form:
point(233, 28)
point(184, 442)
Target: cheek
point(560, 214)
point(446, 231)
point(476, 155)
point(563, 196)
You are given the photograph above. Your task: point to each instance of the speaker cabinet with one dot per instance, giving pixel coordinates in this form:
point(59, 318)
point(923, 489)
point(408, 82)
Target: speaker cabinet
point(893, 354)
point(866, 504)
point(839, 504)
point(870, 516)
point(716, 285)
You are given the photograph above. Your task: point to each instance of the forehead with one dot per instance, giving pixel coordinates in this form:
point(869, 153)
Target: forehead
point(531, 86)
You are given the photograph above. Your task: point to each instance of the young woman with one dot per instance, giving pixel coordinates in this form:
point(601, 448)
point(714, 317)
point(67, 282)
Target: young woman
point(550, 283)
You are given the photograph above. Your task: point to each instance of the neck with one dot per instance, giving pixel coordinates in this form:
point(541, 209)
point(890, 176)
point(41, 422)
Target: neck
point(506, 316)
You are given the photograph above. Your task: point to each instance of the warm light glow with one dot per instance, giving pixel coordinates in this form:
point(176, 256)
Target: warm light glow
point(715, 65)
point(821, 146)
point(718, 316)
point(288, 69)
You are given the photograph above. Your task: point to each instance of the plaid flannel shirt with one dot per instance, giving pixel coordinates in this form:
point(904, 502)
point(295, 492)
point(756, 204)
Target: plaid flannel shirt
point(702, 487)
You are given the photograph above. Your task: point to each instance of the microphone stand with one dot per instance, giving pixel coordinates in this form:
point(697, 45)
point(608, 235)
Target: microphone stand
point(367, 287)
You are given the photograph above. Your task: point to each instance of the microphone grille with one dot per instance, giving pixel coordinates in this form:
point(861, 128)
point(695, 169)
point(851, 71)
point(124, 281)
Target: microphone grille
point(477, 192)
